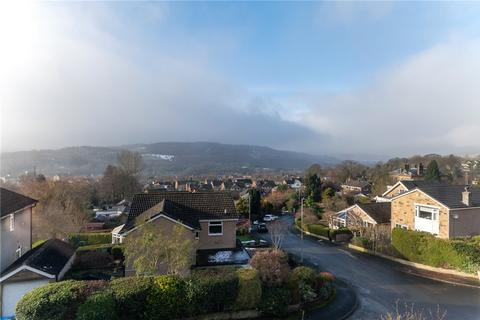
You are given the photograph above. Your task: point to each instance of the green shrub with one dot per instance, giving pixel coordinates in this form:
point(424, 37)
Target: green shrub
point(362, 242)
point(99, 306)
point(275, 301)
point(212, 290)
point(293, 286)
point(117, 252)
point(93, 256)
point(130, 295)
point(324, 285)
point(319, 229)
point(84, 239)
point(166, 299)
point(422, 247)
point(305, 274)
point(50, 302)
point(249, 289)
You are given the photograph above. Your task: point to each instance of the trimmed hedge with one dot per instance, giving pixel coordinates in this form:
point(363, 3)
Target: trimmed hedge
point(93, 256)
point(53, 301)
point(212, 290)
point(422, 247)
point(130, 295)
point(167, 298)
point(99, 306)
point(319, 229)
point(86, 239)
point(249, 289)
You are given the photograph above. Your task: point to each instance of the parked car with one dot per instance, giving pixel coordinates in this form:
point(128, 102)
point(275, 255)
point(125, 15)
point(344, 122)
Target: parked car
point(270, 217)
point(262, 228)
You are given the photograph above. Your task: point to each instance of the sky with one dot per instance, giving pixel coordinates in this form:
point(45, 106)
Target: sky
point(331, 78)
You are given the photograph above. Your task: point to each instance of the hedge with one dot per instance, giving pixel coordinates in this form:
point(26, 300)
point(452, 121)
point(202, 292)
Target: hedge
point(167, 299)
point(422, 247)
point(85, 239)
point(212, 290)
point(249, 289)
point(275, 301)
point(319, 229)
point(130, 295)
point(50, 302)
point(99, 306)
point(93, 256)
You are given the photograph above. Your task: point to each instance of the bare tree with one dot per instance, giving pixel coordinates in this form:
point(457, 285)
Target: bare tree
point(130, 162)
point(278, 231)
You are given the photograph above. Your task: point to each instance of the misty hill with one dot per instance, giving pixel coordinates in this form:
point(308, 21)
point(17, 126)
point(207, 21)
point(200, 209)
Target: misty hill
point(166, 158)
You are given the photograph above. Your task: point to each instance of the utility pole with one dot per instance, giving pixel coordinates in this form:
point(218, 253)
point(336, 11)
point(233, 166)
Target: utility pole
point(301, 227)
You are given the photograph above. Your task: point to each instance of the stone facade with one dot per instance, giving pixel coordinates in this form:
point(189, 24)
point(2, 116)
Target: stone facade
point(403, 211)
point(400, 188)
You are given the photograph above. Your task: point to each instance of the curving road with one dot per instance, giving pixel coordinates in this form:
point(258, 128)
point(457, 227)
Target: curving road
point(380, 284)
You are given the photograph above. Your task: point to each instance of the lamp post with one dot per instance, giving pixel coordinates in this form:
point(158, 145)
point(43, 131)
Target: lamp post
point(301, 227)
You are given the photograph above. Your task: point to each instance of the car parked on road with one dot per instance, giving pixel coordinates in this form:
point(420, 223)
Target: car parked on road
point(262, 227)
point(270, 217)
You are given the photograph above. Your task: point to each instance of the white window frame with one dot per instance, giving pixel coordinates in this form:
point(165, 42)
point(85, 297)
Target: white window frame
point(434, 211)
point(215, 223)
point(12, 222)
point(18, 252)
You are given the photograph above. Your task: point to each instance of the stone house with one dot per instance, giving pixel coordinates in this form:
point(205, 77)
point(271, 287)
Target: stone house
point(446, 211)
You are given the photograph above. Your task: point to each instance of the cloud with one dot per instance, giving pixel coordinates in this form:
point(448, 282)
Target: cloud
point(86, 86)
point(427, 104)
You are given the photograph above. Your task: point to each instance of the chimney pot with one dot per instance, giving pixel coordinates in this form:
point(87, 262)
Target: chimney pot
point(466, 196)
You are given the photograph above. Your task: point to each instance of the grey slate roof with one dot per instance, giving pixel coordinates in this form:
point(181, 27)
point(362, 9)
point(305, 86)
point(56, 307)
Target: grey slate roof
point(185, 207)
point(11, 201)
point(379, 211)
point(412, 184)
point(451, 195)
point(49, 257)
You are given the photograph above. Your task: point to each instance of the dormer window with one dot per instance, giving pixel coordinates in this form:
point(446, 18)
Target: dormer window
point(12, 222)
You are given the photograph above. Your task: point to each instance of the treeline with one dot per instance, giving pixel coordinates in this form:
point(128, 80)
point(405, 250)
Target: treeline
point(65, 204)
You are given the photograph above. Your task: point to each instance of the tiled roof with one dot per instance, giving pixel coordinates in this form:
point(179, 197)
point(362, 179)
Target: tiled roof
point(11, 201)
point(185, 207)
point(49, 257)
point(379, 211)
point(451, 195)
point(412, 184)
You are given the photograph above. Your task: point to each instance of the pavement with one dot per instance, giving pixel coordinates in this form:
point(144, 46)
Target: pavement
point(381, 285)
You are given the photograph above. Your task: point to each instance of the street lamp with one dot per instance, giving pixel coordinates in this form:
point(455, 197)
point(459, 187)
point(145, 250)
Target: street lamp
point(301, 228)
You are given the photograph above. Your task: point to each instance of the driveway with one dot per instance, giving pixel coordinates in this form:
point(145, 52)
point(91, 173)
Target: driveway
point(380, 284)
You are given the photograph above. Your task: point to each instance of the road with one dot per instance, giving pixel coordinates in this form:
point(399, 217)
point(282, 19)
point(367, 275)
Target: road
point(381, 285)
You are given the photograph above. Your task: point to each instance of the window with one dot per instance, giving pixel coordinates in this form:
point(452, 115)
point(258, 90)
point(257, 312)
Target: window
point(18, 252)
point(215, 228)
point(197, 235)
point(426, 213)
point(12, 222)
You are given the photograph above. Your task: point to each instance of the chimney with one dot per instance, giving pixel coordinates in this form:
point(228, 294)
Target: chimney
point(466, 197)
point(420, 169)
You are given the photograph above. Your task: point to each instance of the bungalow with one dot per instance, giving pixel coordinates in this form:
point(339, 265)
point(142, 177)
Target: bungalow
point(357, 186)
point(446, 211)
point(365, 214)
point(209, 217)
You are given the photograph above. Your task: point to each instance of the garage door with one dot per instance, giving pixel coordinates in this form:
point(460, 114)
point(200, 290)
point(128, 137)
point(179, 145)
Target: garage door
point(12, 292)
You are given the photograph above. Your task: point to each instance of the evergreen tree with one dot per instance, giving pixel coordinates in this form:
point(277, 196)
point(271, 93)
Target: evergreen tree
point(432, 173)
point(313, 187)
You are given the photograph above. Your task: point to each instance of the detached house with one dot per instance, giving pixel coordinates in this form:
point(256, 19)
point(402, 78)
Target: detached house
point(443, 210)
point(209, 217)
point(405, 186)
point(24, 268)
point(366, 214)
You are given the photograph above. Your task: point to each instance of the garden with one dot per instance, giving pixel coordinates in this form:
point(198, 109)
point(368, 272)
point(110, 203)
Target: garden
point(271, 288)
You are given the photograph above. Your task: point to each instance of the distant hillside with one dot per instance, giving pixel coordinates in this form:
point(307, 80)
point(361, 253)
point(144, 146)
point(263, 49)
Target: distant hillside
point(166, 158)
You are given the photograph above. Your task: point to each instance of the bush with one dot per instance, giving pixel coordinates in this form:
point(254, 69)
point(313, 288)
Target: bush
point(425, 248)
point(212, 290)
point(293, 286)
point(85, 239)
point(166, 299)
point(99, 306)
point(130, 295)
point(319, 229)
point(275, 301)
point(53, 301)
point(93, 256)
point(305, 274)
point(249, 289)
point(362, 242)
point(324, 285)
point(117, 252)
point(272, 266)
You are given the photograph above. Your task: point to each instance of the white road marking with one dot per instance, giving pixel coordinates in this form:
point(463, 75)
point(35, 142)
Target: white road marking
point(348, 253)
